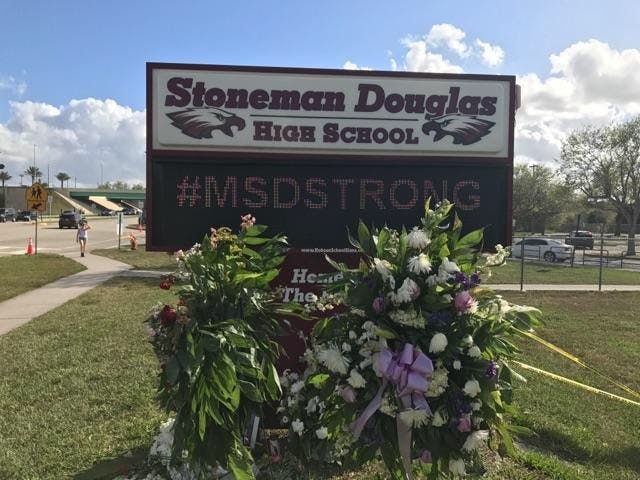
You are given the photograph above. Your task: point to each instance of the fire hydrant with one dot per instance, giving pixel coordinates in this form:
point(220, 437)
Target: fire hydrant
point(133, 241)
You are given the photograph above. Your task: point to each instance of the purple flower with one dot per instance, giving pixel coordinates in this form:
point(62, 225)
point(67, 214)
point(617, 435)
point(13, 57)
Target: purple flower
point(440, 319)
point(379, 304)
point(425, 457)
point(465, 408)
point(492, 370)
point(475, 279)
point(463, 280)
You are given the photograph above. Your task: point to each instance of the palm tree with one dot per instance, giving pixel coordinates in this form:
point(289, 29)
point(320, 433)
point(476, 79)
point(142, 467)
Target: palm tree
point(63, 177)
point(33, 172)
point(4, 176)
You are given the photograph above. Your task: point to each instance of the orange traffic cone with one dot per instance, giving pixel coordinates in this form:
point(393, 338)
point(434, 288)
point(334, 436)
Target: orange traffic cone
point(30, 247)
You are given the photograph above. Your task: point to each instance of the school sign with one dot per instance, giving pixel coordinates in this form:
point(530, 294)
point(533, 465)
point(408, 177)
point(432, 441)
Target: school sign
point(309, 152)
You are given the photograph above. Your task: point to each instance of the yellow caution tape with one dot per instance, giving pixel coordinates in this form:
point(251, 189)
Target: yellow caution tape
point(576, 384)
point(576, 360)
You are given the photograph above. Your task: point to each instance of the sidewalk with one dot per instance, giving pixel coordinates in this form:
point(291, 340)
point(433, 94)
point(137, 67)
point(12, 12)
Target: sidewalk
point(27, 306)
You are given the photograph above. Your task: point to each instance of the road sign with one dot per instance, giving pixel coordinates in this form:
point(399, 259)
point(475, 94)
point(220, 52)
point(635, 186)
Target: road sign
point(36, 196)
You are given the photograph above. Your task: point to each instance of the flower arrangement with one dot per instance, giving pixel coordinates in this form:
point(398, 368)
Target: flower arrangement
point(216, 347)
point(416, 368)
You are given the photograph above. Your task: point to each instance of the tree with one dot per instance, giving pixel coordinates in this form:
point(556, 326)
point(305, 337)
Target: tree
point(604, 164)
point(4, 176)
point(536, 197)
point(63, 177)
point(33, 172)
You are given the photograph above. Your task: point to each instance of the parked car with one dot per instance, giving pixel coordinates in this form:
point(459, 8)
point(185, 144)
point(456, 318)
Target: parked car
point(107, 213)
point(546, 249)
point(69, 219)
point(580, 239)
point(129, 211)
point(7, 215)
point(26, 216)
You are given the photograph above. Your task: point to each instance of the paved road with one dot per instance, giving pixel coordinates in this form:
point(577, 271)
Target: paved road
point(51, 239)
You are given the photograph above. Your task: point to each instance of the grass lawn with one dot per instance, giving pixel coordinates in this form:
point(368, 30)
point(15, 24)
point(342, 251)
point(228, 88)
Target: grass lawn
point(140, 259)
point(548, 273)
point(21, 273)
point(78, 389)
point(78, 383)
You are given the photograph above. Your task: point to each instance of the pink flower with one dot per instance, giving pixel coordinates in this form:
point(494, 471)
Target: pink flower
point(248, 221)
point(348, 394)
point(379, 304)
point(464, 424)
point(465, 303)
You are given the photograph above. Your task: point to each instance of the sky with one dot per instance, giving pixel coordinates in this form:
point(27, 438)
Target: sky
point(72, 72)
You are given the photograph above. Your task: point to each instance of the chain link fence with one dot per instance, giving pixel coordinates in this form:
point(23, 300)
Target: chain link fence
point(588, 256)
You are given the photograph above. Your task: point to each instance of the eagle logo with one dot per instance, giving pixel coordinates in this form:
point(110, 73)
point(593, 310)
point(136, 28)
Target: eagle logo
point(465, 129)
point(202, 122)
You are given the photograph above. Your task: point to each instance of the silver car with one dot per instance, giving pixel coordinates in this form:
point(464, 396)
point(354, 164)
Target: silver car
point(545, 249)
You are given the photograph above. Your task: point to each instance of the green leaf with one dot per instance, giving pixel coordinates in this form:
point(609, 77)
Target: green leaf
point(172, 369)
point(364, 237)
point(273, 381)
point(255, 230)
point(471, 239)
point(240, 465)
point(256, 240)
point(249, 390)
point(318, 380)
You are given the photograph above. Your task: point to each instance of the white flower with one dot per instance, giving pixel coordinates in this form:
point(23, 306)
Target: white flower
point(365, 363)
point(285, 419)
point(438, 343)
point(474, 352)
point(322, 433)
point(352, 335)
point(408, 292)
point(297, 426)
point(476, 405)
point(472, 388)
point(457, 365)
point(387, 407)
point(414, 417)
point(356, 380)
point(440, 418)
point(410, 318)
point(457, 466)
point(438, 382)
point(312, 404)
point(418, 239)
point(497, 258)
point(346, 347)
point(332, 358)
point(420, 264)
point(448, 266)
point(383, 267)
point(467, 340)
point(433, 280)
point(292, 401)
point(475, 440)
point(296, 387)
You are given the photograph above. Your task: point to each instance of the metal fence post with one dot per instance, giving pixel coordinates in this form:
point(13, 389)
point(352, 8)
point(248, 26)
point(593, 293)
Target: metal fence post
point(601, 251)
point(522, 244)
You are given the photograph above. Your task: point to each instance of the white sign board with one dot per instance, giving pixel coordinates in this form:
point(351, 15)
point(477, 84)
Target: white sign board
point(277, 111)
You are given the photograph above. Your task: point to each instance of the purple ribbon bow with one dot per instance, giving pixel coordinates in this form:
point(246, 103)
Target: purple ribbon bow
point(409, 370)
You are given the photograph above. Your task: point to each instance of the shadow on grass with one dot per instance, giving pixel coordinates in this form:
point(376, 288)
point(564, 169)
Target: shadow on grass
point(122, 465)
point(566, 448)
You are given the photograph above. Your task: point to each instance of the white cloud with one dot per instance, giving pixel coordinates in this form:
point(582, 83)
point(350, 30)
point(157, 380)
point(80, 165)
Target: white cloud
point(420, 59)
point(450, 36)
point(349, 65)
point(589, 83)
point(491, 55)
point(12, 85)
point(76, 138)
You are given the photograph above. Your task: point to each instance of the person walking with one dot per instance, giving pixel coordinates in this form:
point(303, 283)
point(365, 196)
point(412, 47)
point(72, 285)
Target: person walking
point(82, 236)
